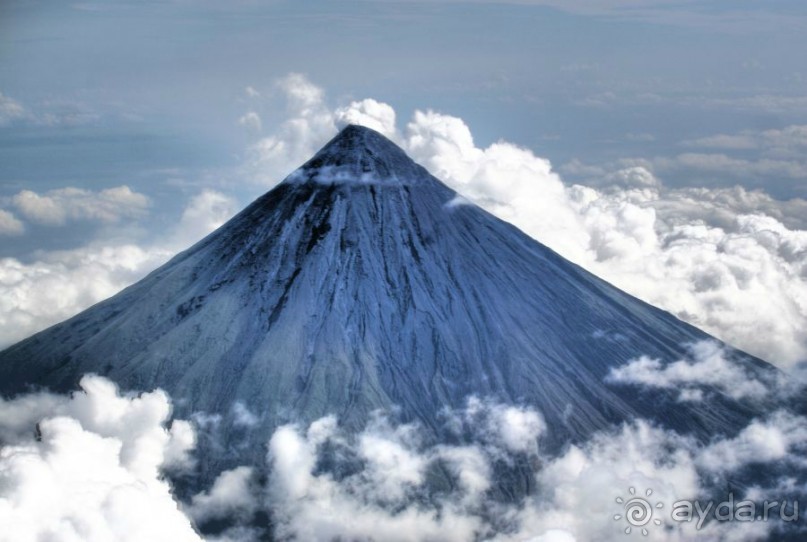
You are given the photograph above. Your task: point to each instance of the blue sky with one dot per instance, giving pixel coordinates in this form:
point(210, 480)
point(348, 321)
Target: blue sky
point(130, 129)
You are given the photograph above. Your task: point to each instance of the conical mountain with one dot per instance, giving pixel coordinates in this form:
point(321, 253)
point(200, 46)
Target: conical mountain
point(359, 283)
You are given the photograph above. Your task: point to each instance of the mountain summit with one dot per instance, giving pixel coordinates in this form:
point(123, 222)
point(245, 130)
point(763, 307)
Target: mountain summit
point(360, 154)
point(359, 284)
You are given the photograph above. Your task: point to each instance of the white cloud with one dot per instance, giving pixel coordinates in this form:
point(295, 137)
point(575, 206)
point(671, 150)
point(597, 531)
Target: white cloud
point(309, 126)
point(312, 505)
point(252, 122)
point(768, 103)
point(204, 213)
point(89, 467)
point(471, 469)
point(640, 138)
point(392, 461)
point(743, 274)
point(781, 437)
point(93, 470)
point(740, 277)
point(64, 113)
point(243, 416)
point(516, 429)
point(9, 224)
point(509, 181)
point(791, 140)
point(370, 113)
point(633, 177)
point(574, 495)
point(380, 501)
point(720, 207)
point(746, 274)
point(56, 207)
point(582, 484)
point(38, 294)
point(232, 495)
point(709, 367)
point(10, 110)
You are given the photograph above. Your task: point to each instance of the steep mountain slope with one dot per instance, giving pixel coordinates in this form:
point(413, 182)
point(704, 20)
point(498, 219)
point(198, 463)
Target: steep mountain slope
point(360, 283)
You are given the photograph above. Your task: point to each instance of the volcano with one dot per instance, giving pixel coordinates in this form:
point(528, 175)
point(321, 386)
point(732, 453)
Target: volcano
point(361, 282)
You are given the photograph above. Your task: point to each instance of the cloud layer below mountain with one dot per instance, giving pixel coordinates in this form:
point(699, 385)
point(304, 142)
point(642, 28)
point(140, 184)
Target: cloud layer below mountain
point(93, 466)
point(90, 466)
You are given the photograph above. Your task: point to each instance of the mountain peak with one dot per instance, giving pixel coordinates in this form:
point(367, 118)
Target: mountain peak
point(360, 154)
point(344, 291)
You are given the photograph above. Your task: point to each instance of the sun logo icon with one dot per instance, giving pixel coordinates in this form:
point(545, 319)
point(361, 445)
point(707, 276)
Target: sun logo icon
point(638, 511)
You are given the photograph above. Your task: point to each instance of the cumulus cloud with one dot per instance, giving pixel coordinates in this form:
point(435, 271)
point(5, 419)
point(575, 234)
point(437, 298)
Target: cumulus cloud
point(781, 437)
point(89, 466)
point(574, 494)
point(736, 273)
point(53, 288)
point(233, 495)
point(516, 429)
point(370, 113)
point(598, 478)
point(92, 466)
point(509, 181)
point(709, 368)
point(583, 483)
point(309, 125)
point(56, 207)
point(390, 495)
point(384, 499)
point(720, 207)
point(728, 260)
point(203, 213)
point(10, 224)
